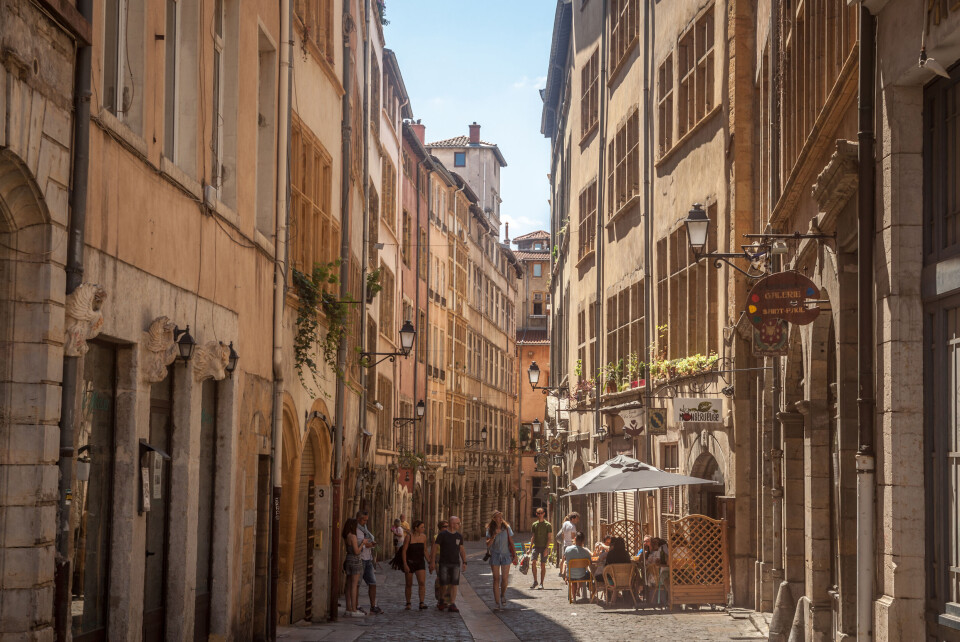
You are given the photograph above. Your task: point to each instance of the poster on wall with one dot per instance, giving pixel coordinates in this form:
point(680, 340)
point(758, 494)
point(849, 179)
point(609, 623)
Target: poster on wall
point(697, 410)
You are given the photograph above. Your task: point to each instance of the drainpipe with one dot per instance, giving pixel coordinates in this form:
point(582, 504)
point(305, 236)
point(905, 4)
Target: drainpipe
point(598, 240)
point(647, 226)
point(339, 403)
point(362, 409)
point(279, 291)
point(71, 365)
point(866, 515)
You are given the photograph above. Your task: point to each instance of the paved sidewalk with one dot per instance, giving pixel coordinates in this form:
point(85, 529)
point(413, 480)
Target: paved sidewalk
point(535, 614)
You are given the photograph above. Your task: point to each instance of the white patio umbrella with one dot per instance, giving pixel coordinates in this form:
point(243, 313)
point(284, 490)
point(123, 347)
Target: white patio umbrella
point(636, 476)
point(610, 467)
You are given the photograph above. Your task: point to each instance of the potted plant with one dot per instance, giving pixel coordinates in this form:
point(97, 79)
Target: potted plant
point(373, 284)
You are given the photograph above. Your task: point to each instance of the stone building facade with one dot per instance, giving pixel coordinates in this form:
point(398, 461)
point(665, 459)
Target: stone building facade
point(814, 123)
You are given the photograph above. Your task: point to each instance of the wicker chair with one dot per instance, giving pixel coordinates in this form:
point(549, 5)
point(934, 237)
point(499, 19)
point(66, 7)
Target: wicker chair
point(618, 578)
point(588, 580)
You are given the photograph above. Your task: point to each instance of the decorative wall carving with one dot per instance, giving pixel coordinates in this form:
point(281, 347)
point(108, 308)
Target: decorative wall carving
point(210, 361)
point(157, 350)
point(83, 318)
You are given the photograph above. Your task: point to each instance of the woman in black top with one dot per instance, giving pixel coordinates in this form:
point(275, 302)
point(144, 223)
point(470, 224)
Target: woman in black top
point(413, 556)
point(618, 552)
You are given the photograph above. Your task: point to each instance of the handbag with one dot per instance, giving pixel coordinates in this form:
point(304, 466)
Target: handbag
point(525, 563)
point(486, 555)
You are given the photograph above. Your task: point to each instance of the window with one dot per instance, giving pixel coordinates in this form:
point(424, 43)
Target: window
point(405, 238)
point(817, 41)
point(537, 269)
point(626, 326)
point(373, 225)
point(665, 105)
point(537, 308)
point(422, 333)
point(123, 61)
point(669, 497)
point(586, 340)
point(387, 325)
point(624, 30)
point(590, 93)
point(371, 380)
point(375, 97)
point(623, 177)
point(538, 246)
point(422, 254)
point(389, 179)
point(587, 229)
point(355, 325)
point(356, 140)
point(385, 439)
point(459, 159)
point(180, 83)
point(266, 135)
point(314, 234)
point(695, 70)
point(316, 18)
point(688, 289)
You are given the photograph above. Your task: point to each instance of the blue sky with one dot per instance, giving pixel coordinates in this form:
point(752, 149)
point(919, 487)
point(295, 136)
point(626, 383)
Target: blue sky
point(484, 61)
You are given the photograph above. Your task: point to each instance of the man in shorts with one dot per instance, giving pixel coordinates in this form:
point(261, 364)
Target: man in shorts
point(539, 543)
point(367, 542)
point(451, 559)
point(438, 589)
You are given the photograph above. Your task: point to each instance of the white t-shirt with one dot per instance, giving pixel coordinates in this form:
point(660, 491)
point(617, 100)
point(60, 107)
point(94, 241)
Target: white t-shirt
point(569, 533)
point(365, 553)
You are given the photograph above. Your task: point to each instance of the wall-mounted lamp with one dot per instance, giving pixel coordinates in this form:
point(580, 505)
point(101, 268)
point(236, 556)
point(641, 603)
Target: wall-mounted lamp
point(601, 432)
point(407, 336)
point(232, 361)
point(403, 421)
point(533, 376)
point(477, 442)
point(185, 343)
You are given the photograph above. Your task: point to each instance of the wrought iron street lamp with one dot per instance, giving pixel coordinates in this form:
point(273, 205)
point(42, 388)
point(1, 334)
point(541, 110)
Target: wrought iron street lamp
point(403, 421)
point(185, 343)
point(232, 361)
point(601, 432)
point(477, 442)
point(407, 336)
point(698, 231)
point(533, 376)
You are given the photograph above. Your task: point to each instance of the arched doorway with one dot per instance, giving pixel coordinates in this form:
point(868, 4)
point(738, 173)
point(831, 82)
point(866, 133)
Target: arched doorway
point(704, 499)
point(302, 593)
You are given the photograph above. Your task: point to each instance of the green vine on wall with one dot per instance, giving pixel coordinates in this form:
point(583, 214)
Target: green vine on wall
point(315, 298)
point(411, 460)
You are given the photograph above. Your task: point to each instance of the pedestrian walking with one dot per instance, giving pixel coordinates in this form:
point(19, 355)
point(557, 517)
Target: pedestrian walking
point(413, 555)
point(451, 559)
point(566, 536)
point(539, 543)
point(367, 542)
point(399, 535)
point(438, 590)
point(502, 554)
point(353, 567)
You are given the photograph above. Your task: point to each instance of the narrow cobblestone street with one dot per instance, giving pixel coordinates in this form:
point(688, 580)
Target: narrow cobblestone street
point(531, 614)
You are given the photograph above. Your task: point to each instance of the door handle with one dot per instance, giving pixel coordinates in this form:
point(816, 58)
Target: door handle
point(149, 553)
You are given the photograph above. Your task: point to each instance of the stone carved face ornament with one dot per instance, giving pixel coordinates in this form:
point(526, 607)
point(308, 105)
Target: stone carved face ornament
point(83, 318)
point(210, 361)
point(158, 349)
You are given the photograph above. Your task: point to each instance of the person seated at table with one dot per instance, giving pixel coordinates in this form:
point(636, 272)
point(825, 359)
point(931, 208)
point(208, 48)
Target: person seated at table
point(601, 548)
point(655, 566)
point(618, 554)
point(577, 552)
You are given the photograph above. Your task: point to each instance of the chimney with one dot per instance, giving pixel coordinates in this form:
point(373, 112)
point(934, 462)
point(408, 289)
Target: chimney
point(474, 133)
point(420, 130)
point(506, 233)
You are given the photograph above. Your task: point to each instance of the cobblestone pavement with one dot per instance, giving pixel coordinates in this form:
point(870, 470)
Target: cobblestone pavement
point(534, 614)
point(531, 615)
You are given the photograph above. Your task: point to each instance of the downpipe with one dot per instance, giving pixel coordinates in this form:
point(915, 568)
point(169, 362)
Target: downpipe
point(279, 291)
point(71, 365)
point(866, 230)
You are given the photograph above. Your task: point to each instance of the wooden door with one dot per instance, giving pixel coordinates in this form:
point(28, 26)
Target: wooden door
point(158, 520)
point(302, 594)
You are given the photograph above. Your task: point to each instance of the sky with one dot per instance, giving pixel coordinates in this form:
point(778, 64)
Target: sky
point(483, 61)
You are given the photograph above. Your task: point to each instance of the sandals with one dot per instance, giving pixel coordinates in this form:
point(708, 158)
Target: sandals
point(423, 606)
point(408, 606)
point(453, 608)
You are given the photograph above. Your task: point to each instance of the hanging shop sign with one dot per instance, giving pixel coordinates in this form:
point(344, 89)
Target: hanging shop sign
point(657, 421)
point(632, 421)
point(461, 470)
point(555, 445)
point(770, 339)
point(783, 295)
point(697, 410)
point(543, 460)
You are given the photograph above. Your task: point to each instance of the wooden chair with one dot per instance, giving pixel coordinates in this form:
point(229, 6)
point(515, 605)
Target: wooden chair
point(588, 580)
point(618, 578)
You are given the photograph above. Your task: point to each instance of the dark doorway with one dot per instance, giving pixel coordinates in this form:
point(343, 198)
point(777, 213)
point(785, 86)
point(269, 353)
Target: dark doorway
point(263, 541)
point(158, 518)
point(208, 468)
point(302, 594)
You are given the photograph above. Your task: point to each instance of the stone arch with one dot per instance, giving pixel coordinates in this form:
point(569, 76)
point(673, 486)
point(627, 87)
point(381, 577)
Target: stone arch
point(703, 498)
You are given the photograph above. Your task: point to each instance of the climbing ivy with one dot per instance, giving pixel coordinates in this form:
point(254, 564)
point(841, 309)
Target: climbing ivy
point(315, 298)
